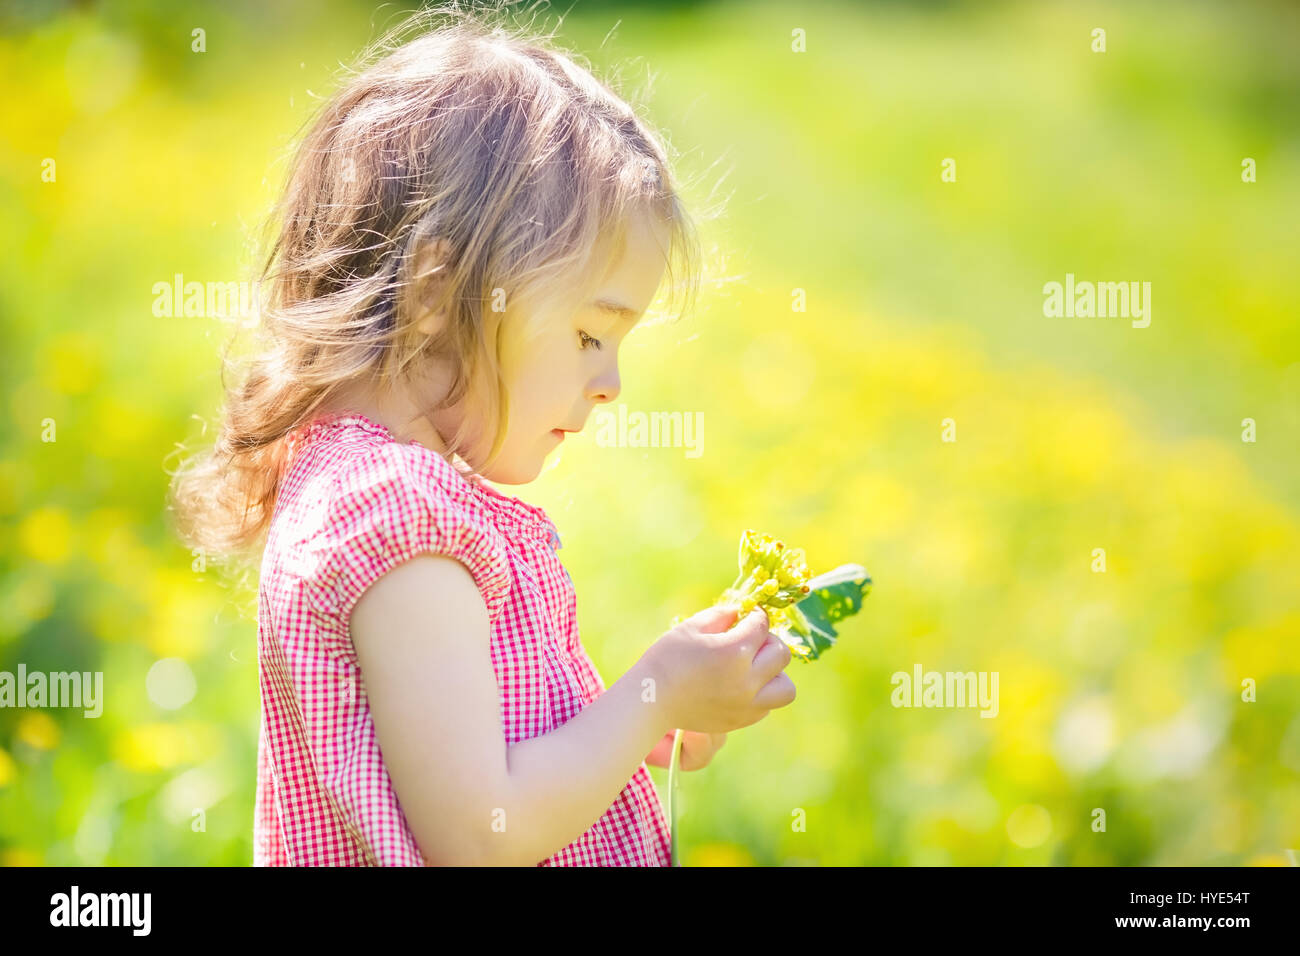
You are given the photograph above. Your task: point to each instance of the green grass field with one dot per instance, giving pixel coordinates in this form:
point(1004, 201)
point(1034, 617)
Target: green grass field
point(1120, 691)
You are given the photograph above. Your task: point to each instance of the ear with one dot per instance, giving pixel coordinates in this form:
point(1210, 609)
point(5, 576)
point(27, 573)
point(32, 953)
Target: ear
point(432, 258)
point(430, 324)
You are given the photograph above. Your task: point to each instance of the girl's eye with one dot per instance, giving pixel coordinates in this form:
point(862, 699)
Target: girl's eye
point(586, 340)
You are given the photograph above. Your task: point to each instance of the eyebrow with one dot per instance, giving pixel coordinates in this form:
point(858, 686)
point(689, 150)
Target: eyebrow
point(622, 311)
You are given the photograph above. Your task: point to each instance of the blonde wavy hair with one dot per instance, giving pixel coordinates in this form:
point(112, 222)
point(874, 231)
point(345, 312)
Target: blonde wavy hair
point(459, 131)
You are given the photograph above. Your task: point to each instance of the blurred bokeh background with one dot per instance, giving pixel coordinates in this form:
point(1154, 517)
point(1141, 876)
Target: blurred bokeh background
point(1119, 690)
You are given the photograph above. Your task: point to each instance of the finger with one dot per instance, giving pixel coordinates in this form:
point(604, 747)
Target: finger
point(695, 752)
point(715, 620)
point(772, 658)
point(750, 632)
point(778, 692)
point(757, 715)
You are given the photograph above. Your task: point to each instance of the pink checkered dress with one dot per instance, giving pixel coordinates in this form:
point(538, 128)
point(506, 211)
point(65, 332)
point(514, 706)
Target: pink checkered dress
point(353, 504)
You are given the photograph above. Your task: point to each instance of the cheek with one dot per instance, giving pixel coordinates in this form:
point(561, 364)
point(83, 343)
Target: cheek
point(543, 378)
point(537, 391)
point(559, 370)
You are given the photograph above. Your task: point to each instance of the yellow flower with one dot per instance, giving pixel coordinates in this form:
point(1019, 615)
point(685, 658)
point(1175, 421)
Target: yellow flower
point(16, 856)
point(721, 854)
point(39, 731)
point(45, 535)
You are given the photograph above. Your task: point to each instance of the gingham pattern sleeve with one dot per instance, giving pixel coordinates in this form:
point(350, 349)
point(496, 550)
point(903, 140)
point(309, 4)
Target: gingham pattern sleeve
point(386, 508)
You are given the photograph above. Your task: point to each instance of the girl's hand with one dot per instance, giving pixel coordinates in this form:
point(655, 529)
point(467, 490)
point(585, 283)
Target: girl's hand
point(717, 672)
point(698, 749)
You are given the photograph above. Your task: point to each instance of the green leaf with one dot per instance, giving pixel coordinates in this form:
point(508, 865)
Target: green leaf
point(836, 594)
point(809, 628)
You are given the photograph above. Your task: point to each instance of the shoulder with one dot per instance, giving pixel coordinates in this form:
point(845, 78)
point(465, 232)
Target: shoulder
point(390, 502)
point(401, 476)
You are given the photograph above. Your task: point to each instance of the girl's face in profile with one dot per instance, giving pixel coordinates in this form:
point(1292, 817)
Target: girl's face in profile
point(571, 365)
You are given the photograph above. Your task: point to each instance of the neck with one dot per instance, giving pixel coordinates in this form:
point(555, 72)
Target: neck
point(394, 411)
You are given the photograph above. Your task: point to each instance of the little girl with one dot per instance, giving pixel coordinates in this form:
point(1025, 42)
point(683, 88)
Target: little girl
point(469, 230)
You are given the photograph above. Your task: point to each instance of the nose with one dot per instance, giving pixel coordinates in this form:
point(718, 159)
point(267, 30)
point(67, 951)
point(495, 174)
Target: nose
point(605, 388)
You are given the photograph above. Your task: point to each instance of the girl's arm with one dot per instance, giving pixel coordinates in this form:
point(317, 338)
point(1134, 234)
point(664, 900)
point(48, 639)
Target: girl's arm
point(422, 637)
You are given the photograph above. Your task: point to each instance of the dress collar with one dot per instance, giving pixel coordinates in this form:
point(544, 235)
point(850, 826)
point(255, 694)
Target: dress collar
point(511, 513)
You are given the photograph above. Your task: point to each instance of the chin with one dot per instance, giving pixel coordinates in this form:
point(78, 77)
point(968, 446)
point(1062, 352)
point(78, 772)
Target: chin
point(513, 474)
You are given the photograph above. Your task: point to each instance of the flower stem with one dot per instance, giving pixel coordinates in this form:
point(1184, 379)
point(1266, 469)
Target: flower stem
point(672, 804)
